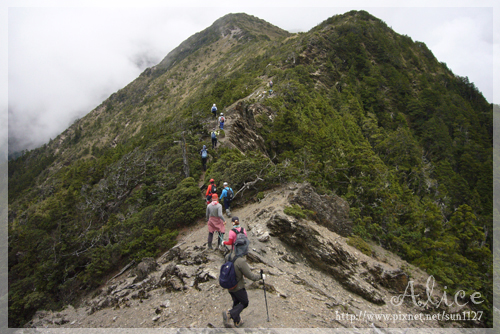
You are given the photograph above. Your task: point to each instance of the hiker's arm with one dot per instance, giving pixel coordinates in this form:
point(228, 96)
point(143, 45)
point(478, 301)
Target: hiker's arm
point(208, 215)
point(230, 239)
point(245, 270)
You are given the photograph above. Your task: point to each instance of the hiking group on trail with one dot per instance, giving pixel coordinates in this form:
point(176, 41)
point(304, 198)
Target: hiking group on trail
point(235, 248)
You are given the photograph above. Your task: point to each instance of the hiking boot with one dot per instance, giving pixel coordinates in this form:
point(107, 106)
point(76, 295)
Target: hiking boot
point(225, 319)
point(238, 324)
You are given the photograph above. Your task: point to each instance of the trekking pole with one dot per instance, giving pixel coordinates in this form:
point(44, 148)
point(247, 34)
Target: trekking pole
point(264, 283)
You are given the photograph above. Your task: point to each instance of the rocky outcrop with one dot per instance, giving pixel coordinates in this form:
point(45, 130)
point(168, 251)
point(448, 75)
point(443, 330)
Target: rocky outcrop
point(330, 211)
point(243, 128)
point(326, 253)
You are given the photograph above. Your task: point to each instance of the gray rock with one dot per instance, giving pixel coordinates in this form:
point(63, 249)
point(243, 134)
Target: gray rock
point(264, 237)
point(144, 268)
point(330, 211)
point(325, 252)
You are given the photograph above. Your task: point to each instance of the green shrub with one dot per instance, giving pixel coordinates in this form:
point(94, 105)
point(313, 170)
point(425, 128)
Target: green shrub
point(356, 242)
point(298, 212)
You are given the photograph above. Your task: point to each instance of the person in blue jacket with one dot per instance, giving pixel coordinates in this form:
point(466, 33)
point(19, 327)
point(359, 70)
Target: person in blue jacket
point(214, 110)
point(227, 196)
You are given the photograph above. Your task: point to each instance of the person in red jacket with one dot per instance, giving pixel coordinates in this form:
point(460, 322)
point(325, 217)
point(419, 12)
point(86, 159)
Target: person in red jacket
point(212, 189)
point(232, 235)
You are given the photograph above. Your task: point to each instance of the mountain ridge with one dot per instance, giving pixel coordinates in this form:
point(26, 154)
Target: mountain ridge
point(357, 110)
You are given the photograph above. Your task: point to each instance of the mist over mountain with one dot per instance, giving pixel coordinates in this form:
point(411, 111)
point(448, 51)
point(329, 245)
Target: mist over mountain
point(361, 113)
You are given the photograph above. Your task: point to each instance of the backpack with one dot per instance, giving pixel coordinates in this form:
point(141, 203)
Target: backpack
point(213, 135)
point(222, 119)
point(213, 190)
point(204, 153)
point(227, 277)
point(214, 108)
point(241, 243)
point(230, 194)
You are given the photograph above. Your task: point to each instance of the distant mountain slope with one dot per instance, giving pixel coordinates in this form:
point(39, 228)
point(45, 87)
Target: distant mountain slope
point(356, 109)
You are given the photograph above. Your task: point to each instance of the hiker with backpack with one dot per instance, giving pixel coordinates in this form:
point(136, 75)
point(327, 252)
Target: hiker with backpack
point(226, 197)
point(221, 121)
point(214, 110)
point(214, 134)
point(233, 273)
point(215, 221)
point(211, 190)
point(204, 157)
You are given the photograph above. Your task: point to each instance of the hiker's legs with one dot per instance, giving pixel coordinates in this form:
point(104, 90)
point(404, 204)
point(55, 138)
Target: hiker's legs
point(240, 302)
point(221, 239)
point(214, 142)
point(226, 207)
point(210, 238)
point(204, 163)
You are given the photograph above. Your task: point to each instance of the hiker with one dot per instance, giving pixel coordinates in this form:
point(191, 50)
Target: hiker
point(214, 134)
point(271, 84)
point(211, 190)
point(232, 234)
point(215, 221)
point(238, 293)
point(214, 110)
point(204, 156)
point(226, 197)
point(221, 121)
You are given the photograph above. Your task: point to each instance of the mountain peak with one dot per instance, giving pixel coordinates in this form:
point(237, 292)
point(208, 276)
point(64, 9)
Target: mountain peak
point(241, 26)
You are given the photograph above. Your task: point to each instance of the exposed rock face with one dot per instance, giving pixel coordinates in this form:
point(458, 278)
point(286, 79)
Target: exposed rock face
point(325, 253)
point(331, 211)
point(243, 134)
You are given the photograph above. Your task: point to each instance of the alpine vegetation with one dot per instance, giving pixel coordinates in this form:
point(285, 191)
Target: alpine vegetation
point(361, 113)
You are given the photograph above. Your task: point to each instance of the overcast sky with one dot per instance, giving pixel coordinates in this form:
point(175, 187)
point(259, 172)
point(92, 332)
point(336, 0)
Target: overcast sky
point(64, 61)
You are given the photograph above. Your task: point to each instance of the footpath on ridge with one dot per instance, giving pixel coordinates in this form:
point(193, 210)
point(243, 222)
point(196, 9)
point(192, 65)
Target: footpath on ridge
point(314, 278)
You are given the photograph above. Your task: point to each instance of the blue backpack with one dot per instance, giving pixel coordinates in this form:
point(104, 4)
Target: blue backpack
point(213, 135)
point(204, 153)
point(227, 277)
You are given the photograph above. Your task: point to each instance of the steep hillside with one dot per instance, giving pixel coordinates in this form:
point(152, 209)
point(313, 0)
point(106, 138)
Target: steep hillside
point(356, 110)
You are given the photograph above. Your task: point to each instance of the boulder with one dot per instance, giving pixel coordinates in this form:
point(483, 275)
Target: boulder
point(144, 268)
point(330, 211)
